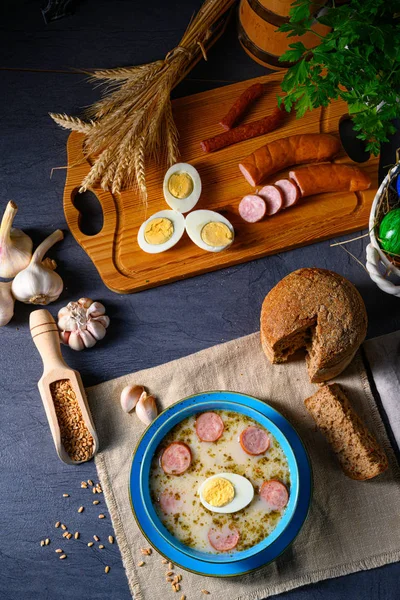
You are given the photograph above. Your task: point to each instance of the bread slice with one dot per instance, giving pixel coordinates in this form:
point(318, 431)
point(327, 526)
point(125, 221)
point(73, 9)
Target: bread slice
point(318, 310)
point(359, 453)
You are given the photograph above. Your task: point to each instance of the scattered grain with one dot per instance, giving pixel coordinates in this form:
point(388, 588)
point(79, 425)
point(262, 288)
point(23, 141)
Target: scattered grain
point(110, 539)
point(164, 561)
point(42, 542)
point(169, 573)
point(57, 524)
point(90, 544)
point(68, 536)
point(94, 490)
point(141, 563)
point(101, 547)
point(102, 516)
point(64, 527)
point(90, 482)
point(75, 436)
point(58, 551)
point(63, 556)
point(81, 509)
point(183, 597)
point(107, 569)
point(65, 495)
point(170, 566)
point(96, 538)
point(65, 534)
point(177, 587)
point(96, 501)
point(76, 535)
point(205, 592)
point(47, 542)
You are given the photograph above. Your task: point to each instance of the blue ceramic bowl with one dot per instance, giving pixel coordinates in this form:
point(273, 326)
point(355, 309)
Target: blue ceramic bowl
point(226, 564)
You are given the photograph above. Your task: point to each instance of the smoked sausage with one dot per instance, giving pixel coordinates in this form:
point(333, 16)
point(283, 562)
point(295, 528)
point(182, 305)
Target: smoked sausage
point(254, 440)
point(317, 179)
point(209, 427)
point(275, 494)
point(224, 539)
point(290, 192)
point(242, 103)
point(176, 458)
point(285, 152)
point(244, 132)
point(273, 199)
point(252, 208)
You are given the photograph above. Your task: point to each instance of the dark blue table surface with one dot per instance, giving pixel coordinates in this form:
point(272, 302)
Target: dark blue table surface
point(36, 73)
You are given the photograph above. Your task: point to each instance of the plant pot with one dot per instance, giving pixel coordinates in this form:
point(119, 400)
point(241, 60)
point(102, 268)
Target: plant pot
point(376, 257)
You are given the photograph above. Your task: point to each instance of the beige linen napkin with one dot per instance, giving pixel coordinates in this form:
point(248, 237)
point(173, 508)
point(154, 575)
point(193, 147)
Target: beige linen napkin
point(352, 525)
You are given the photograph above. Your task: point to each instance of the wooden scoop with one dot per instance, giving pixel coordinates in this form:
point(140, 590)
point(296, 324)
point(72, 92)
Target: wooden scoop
point(45, 334)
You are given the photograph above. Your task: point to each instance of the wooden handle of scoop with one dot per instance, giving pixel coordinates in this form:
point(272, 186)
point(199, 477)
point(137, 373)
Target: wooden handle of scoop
point(45, 334)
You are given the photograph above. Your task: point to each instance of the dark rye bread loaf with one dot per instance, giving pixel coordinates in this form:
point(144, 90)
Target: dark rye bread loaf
point(318, 310)
point(359, 453)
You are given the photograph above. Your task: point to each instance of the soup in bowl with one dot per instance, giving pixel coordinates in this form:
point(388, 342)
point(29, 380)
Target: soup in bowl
point(215, 480)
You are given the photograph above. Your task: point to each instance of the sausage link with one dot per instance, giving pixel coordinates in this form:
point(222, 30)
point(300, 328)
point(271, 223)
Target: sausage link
point(244, 132)
point(318, 179)
point(242, 103)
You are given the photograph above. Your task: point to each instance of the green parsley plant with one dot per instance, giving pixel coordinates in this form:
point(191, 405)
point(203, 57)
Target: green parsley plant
point(358, 61)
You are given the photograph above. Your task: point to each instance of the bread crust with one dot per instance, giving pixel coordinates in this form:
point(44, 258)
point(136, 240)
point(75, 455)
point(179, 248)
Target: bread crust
point(317, 309)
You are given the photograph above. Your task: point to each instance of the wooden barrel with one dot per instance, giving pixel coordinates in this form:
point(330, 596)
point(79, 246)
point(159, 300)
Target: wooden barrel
point(258, 23)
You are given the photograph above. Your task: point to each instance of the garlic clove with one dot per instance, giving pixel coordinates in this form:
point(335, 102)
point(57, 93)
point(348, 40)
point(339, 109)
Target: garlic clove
point(146, 409)
point(130, 396)
point(65, 323)
point(103, 319)
point(95, 310)
point(97, 330)
point(85, 302)
point(6, 303)
point(64, 336)
point(86, 337)
point(15, 245)
point(63, 312)
point(75, 341)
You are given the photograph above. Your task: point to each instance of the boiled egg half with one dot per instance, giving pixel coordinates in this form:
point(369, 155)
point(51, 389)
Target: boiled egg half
point(226, 493)
point(209, 230)
point(182, 187)
point(161, 231)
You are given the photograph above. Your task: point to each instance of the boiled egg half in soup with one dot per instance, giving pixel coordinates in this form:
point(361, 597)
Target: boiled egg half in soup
point(209, 230)
point(226, 493)
point(161, 231)
point(182, 187)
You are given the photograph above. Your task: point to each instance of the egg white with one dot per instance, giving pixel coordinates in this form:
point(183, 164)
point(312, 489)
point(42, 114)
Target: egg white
point(178, 222)
point(195, 222)
point(183, 205)
point(244, 493)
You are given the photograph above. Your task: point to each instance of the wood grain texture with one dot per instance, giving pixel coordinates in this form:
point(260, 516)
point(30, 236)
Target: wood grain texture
point(146, 329)
point(125, 268)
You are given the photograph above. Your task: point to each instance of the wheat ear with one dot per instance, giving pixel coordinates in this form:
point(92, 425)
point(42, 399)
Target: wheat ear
point(74, 123)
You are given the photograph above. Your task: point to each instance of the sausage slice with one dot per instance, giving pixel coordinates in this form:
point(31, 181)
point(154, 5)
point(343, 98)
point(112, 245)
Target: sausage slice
point(290, 192)
point(273, 198)
point(223, 539)
point(254, 440)
point(209, 427)
point(252, 208)
point(170, 502)
point(275, 494)
point(176, 458)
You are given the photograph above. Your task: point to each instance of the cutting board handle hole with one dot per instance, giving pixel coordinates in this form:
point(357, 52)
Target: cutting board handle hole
point(354, 147)
point(90, 213)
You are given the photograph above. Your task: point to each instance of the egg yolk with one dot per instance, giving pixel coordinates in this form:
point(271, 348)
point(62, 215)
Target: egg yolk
point(216, 234)
point(180, 185)
point(218, 492)
point(158, 231)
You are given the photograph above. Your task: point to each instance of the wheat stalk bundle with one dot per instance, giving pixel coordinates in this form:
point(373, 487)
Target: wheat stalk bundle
point(133, 121)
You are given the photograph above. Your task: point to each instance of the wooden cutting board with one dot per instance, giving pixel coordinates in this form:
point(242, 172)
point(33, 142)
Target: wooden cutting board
point(124, 268)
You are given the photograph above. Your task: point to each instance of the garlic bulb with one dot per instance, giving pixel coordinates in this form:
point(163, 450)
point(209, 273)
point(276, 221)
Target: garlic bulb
point(82, 323)
point(6, 303)
point(130, 396)
point(15, 245)
point(146, 409)
point(38, 283)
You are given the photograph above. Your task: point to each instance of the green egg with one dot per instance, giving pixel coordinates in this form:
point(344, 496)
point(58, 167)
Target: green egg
point(389, 232)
